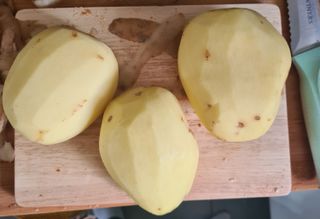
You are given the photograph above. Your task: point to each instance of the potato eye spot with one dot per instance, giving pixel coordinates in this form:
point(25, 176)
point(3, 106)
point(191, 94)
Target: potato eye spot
point(40, 135)
point(257, 118)
point(74, 34)
point(240, 125)
point(138, 93)
point(207, 54)
point(110, 118)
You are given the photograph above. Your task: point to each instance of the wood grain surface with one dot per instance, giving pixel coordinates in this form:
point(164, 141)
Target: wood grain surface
point(71, 173)
point(303, 175)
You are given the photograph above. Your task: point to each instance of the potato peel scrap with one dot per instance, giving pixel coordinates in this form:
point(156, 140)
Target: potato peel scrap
point(10, 44)
point(10, 39)
point(154, 46)
point(6, 152)
point(44, 3)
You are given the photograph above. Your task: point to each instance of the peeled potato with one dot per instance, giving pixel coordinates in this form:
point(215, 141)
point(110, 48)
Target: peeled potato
point(233, 65)
point(147, 148)
point(59, 84)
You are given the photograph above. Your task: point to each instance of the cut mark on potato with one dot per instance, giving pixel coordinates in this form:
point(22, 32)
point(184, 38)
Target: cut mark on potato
point(240, 125)
point(207, 54)
point(100, 57)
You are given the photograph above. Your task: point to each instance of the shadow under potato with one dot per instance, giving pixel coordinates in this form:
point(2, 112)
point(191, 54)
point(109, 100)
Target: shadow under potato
point(237, 208)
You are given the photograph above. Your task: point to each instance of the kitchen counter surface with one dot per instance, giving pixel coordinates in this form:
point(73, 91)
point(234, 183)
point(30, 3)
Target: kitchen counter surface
point(303, 173)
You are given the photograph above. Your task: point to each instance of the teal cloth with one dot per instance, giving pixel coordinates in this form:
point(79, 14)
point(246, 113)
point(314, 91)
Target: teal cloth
point(308, 65)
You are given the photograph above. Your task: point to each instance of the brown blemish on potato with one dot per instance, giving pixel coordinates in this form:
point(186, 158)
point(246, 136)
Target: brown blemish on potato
point(207, 54)
point(261, 22)
point(79, 106)
point(74, 33)
point(190, 131)
point(138, 93)
point(159, 209)
point(40, 135)
point(110, 118)
point(209, 105)
point(40, 195)
point(86, 11)
point(100, 57)
point(199, 125)
point(181, 119)
point(240, 125)
point(213, 122)
point(58, 170)
point(38, 40)
point(221, 139)
point(257, 117)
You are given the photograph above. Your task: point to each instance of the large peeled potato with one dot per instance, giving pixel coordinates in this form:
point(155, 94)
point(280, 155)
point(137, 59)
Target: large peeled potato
point(147, 148)
point(233, 65)
point(58, 85)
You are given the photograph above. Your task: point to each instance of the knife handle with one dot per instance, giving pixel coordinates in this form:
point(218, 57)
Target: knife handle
point(308, 64)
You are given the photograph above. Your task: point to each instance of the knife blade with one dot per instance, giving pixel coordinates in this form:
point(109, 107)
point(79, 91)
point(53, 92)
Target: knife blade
point(304, 18)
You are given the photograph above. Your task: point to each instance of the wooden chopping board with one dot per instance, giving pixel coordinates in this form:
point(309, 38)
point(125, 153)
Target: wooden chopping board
point(71, 173)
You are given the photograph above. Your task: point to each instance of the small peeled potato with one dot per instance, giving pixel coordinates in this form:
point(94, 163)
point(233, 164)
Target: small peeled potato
point(233, 65)
point(146, 146)
point(59, 84)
